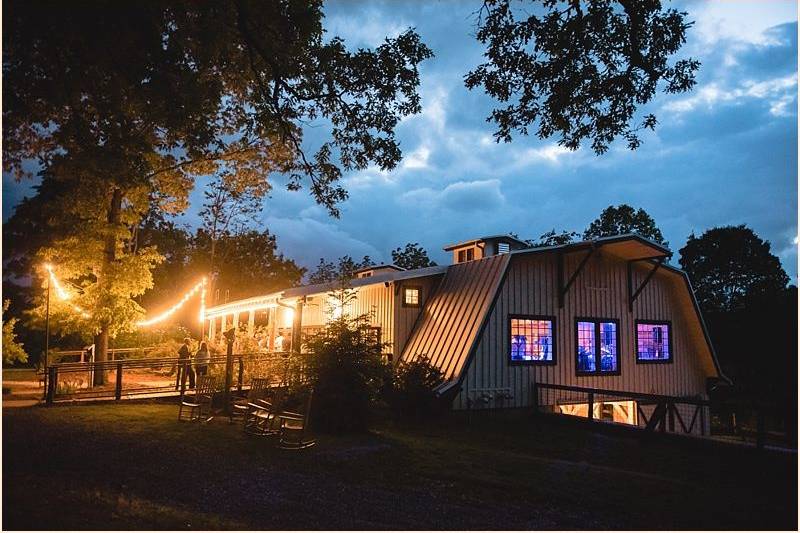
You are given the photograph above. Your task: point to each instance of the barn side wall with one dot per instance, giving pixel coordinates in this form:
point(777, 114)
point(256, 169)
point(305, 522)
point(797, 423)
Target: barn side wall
point(600, 291)
point(377, 301)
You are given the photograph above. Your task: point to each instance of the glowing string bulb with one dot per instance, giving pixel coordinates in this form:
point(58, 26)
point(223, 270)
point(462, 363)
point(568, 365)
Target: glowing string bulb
point(201, 286)
point(63, 294)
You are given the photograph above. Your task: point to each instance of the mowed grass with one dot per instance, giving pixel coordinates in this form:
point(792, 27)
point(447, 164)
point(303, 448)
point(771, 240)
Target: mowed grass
point(133, 466)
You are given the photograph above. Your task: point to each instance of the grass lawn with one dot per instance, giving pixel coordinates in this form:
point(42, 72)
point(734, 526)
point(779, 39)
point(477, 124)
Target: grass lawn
point(133, 466)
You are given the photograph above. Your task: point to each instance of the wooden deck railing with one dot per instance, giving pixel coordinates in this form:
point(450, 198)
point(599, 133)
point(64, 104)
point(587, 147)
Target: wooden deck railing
point(694, 416)
point(157, 376)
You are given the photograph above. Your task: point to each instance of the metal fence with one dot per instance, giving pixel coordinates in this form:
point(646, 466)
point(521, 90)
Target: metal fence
point(160, 376)
point(759, 424)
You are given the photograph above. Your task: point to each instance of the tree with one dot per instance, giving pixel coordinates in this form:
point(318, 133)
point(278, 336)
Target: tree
point(229, 209)
point(579, 70)
point(624, 219)
point(13, 350)
point(327, 271)
point(411, 257)
point(551, 238)
point(249, 263)
point(182, 89)
point(731, 267)
point(751, 314)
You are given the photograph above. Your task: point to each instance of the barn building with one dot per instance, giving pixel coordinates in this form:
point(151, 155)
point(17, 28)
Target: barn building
point(505, 318)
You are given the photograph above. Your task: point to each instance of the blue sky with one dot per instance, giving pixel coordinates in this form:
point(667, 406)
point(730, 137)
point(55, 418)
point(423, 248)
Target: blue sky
point(726, 153)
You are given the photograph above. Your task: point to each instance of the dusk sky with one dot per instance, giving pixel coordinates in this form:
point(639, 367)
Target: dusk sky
point(725, 153)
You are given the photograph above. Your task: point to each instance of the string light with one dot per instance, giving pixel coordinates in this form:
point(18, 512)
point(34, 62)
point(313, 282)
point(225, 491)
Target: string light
point(62, 293)
point(200, 286)
point(203, 302)
point(169, 312)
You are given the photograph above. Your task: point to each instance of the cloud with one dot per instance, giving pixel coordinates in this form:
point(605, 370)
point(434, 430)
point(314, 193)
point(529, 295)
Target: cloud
point(747, 22)
point(418, 158)
point(780, 92)
point(462, 196)
point(306, 240)
point(365, 27)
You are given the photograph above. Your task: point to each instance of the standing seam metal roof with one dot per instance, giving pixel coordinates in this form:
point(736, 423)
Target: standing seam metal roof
point(454, 314)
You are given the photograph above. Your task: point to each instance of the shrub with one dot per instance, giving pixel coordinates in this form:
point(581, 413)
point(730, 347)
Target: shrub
point(345, 369)
point(413, 389)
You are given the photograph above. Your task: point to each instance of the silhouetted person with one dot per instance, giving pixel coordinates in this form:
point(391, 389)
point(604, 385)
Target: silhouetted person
point(183, 364)
point(201, 359)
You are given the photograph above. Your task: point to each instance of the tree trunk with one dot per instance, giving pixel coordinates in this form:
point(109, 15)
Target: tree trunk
point(109, 256)
point(100, 347)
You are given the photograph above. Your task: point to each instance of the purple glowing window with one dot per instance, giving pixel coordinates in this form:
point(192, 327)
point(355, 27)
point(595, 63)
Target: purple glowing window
point(532, 340)
point(597, 347)
point(653, 342)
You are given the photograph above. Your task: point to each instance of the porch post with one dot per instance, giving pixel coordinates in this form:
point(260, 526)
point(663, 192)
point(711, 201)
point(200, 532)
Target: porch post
point(297, 326)
point(251, 323)
point(273, 320)
point(212, 330)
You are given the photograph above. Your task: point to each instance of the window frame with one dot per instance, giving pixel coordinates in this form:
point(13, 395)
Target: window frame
point(551, 319)
point(597, 321)
point(670, 346)
point(419, 296)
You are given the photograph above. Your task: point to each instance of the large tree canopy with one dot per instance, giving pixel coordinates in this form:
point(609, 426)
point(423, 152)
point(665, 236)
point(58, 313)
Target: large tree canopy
point(122, 105)
point(731, 267)
point(151, 94)
point(579, 70)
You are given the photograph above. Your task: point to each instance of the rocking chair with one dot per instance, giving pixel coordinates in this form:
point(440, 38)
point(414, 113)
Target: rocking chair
point(202, 400)
point(294, 434)
point(258, 389)
point(262, 415)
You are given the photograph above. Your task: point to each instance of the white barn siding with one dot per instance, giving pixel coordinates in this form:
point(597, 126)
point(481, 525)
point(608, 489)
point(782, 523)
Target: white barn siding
point(599, 291)
point(377, 301)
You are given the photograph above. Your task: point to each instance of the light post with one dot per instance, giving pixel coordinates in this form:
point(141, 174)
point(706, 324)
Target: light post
point(46, 332)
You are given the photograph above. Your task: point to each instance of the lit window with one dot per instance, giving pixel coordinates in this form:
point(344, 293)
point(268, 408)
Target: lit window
point(597, 347)
point(531, 340)
point(653, 342)
point(411, 297)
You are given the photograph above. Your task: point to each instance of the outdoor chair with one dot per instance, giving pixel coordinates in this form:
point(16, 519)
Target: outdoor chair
point(201, 402)
point(294, 428)
point(262, 415)
point(239, 405)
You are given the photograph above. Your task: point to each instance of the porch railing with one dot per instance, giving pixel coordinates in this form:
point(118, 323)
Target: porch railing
point(697, 417)
point(158, 376)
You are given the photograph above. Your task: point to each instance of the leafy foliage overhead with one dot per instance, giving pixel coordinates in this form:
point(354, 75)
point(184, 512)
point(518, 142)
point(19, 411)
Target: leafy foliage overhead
point(579, 70)
point(151, 95)
point(621, 219)
point(731, 267)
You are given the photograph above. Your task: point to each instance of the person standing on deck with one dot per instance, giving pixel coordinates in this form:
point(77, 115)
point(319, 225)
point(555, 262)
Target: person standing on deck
point(183, 364)
point(201, 359)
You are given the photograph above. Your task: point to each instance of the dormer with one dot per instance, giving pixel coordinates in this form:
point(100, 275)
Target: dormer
point(368, 272)
point(485, 247)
